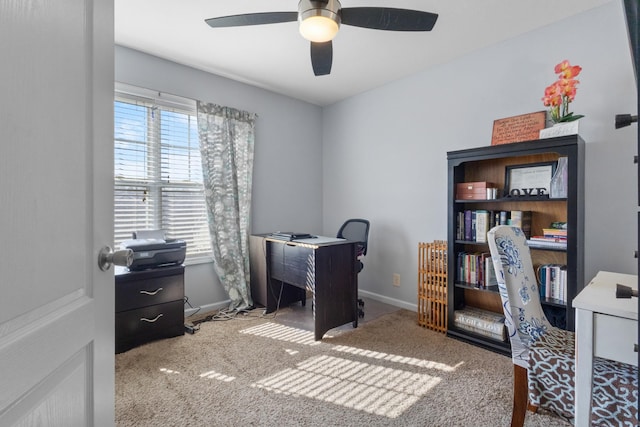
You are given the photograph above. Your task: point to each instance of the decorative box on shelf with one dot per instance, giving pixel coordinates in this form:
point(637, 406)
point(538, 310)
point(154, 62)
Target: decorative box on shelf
point(479, 190)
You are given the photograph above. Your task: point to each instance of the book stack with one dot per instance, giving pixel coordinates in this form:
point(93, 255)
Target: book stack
point(482, 322)
point(555, 233)
point(552, 279)
point(551, 238)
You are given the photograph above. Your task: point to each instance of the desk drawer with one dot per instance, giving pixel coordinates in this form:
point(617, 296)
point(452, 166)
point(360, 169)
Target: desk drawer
point(136, 327)
point(614, 338)
point(148, 291)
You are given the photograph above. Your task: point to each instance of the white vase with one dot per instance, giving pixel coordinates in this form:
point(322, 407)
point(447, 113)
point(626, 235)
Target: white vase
point(560, 129)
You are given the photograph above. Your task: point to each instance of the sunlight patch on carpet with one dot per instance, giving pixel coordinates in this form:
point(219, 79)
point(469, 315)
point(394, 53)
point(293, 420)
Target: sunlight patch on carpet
point(213, 375)
point(422, 363)
point(168, 371)
point(282, 333)
point(357, 385)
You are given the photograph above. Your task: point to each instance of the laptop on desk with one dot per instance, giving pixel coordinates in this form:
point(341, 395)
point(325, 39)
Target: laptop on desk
point(289, 235)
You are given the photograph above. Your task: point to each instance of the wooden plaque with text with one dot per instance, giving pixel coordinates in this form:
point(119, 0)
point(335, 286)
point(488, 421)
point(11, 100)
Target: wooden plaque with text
point(525, 127)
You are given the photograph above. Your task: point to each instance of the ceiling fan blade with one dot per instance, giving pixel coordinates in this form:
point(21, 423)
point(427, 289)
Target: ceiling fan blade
point(388, 18)
point(321, 57)
point(252, 19)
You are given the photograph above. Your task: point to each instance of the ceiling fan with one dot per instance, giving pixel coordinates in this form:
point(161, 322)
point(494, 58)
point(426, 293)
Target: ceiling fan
point(320, 21)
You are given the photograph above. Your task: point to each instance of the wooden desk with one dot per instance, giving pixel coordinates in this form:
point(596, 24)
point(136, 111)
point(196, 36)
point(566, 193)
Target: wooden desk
point(282, 272)
point(605, 327)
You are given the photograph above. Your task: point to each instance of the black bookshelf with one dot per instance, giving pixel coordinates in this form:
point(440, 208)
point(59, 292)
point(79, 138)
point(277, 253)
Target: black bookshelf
point(488, 164)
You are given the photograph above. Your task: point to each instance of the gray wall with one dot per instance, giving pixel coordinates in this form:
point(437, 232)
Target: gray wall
point(381, 155)
point(286, 191)
point(384, 151)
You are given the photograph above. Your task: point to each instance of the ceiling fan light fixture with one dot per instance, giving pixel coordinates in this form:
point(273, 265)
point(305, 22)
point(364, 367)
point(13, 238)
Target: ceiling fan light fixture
point(319, 21)
point(319, 29)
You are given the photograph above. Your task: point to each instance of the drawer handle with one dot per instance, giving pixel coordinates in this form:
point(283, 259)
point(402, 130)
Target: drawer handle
point(142, 319)
point(151, 293)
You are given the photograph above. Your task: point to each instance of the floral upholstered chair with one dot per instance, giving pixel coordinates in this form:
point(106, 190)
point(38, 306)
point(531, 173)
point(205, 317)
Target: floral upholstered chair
point(529, 329)
point(543, 355)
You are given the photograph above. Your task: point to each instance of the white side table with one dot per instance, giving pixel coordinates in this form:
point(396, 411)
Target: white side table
point(605, 327)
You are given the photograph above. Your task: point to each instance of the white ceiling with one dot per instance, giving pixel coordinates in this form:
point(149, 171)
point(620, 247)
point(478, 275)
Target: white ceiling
point(276, 57)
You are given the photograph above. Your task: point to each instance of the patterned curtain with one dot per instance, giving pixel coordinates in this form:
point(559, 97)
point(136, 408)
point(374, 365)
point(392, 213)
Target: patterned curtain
point(226, 143)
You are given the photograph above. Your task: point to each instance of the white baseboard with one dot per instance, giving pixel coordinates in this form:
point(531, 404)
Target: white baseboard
point(390, 301)
point(207, 308)
point(224, 304)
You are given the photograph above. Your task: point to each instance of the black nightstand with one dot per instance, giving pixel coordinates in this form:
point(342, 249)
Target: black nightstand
point(149, 305)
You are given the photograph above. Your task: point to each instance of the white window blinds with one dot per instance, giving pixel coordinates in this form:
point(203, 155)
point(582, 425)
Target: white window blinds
point(158, 174)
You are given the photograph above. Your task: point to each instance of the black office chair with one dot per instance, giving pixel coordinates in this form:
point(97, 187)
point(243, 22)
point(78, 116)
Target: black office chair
point(357, 230)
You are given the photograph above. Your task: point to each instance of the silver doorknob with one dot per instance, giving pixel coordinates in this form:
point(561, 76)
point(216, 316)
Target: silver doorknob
point(108, 257)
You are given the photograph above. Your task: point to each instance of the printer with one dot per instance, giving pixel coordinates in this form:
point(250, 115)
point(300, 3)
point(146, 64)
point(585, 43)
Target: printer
point(151, 250)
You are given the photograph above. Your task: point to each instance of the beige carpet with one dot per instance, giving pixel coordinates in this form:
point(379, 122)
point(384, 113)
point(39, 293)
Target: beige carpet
point(252, 371)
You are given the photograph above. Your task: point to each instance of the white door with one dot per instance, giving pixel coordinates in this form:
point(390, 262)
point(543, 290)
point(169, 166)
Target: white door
point(56, 151)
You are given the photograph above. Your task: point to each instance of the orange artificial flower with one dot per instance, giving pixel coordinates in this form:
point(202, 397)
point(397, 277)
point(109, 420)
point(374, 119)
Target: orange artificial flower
point(566, 70)
point(562, 92)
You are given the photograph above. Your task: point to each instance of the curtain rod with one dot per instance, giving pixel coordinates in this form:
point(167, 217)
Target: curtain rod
point(159, 97)
point(155, 95)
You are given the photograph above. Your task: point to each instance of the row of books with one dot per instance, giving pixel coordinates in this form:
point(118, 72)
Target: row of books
point(473, 225)
point(552, 281)
point(476, 269)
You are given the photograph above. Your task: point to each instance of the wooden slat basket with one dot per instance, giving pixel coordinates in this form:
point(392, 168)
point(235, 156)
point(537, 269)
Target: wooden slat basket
point(432, 285)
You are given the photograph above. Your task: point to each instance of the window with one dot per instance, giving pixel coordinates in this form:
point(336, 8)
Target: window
point(158, 173)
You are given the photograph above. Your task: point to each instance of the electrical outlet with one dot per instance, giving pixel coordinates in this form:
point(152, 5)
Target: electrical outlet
point(396, 279)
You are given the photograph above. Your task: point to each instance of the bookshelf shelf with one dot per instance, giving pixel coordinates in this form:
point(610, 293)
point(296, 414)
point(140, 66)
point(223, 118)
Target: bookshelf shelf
point(512, 200)
point(553, 302)
point(479, 340)
point(471, 242)
point(545, 248)
point(488, 164)
point(463, 285)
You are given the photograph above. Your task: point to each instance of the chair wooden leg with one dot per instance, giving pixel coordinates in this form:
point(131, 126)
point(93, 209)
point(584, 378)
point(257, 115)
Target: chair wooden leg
point(520, 396)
